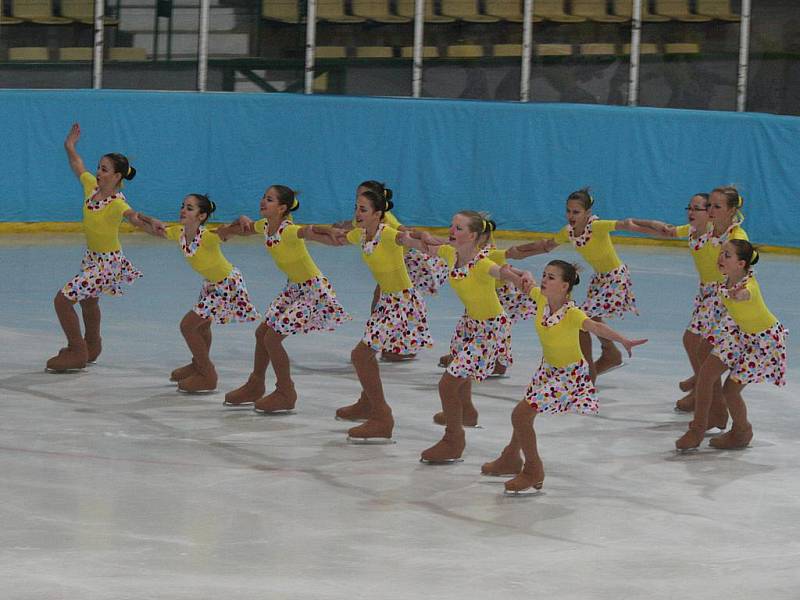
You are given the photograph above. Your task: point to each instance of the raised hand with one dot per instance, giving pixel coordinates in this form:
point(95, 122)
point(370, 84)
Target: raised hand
point(73, 136)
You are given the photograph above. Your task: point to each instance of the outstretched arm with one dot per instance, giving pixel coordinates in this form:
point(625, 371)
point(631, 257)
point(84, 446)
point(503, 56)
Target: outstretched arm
point(658, 228)
point(331, 236)
point(530, 249)
point(75, 160)
point(516, 277)
point(147, 224)
point(604, 331)
point(420, 240)
point(241, 226)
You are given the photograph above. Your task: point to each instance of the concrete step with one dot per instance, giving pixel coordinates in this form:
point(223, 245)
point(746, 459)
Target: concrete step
point(184, 44)
point(186, 19)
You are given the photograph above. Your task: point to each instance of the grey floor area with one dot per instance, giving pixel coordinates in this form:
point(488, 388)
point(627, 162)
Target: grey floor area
point(114, 486)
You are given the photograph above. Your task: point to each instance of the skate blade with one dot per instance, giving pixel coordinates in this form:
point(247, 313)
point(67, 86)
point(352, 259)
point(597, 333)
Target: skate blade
point(273, 413)
point(465, 426)
point(499, 475)
point(680, 411)
point(522, 493)
point(235, 405)
point(197, 392)
point(91, 362)
point(394, 360)
point(370, 441)
point(680, 451)
point(614, 368)
point(447, 461)
point(64, 371)
point(351, 420)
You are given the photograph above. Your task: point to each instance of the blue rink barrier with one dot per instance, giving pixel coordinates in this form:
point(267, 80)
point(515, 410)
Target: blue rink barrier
point(518, 161)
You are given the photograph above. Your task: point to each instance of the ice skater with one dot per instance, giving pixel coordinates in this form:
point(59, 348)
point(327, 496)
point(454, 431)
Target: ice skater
point(562, 382)
point(307, 303)
point(104, 268)
point(223, 297)
point(750, 343)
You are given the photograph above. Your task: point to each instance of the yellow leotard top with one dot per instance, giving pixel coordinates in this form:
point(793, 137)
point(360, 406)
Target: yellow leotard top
point(560, 342)
point(599, 250)
point(751, 315)
point(384, 258)
point(207, 258)
point(705, 252)
point(476, 290)
point(289, 251)
point(498, 257)
point(101, 226)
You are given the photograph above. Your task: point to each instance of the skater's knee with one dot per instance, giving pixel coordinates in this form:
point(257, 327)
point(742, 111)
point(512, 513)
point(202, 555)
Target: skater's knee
point(448, 385)
point(731, 387)
point(89, 302)
point(190, 322)
point(261, 331)
point(61, 300)
point(272, 337)
point(522, 415)
point(361, 353)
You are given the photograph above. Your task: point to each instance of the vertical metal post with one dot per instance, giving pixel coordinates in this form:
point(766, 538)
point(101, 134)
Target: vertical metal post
point(202, 46)
point(744, 57)
point(419, 32)
point(527, 51)
point(97, 54)
point(636, 42)
point(311, 45)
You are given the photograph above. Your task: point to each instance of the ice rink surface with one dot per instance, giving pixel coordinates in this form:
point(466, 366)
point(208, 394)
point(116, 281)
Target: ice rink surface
point(114, 486)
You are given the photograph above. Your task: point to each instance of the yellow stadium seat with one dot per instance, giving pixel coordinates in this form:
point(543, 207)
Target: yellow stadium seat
point(4, 20)
point(679, 10)
point(643, 48)
point(598, 49)
point(82, 11)
point(31, 53)
point(595, 10)
point(508, 10)
point(282, 11)
point(719, 9)
point(320, 84)
point(405, 8)
point(427, 52)
point(75, 53)
point(465, 51)
point(553, 10)
point(553, 50)
point(333, 12)
point(377, 11)
point(466, 10)
point(37, 11)
point(330, 52)
point(624, 8)
point(374, 52)
point(507, 50)
point(682, 48)
point(123, 53)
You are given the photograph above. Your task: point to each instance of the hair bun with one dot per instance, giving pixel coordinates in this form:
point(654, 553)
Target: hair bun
point(577, 279)
point(212, 206)
point(387, 193)
point(389, 205)
point(130, 174)
point(755, 257)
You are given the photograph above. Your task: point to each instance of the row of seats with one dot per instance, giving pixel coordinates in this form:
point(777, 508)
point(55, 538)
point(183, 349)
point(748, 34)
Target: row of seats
point(41, 54)
point(504, 50)
point(41, 12)
point(493, 11)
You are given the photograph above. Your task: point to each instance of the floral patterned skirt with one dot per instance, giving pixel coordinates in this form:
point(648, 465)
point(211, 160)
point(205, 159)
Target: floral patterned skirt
point(399, 323)
point(752, 357)
point(427, 273)
point(305, 307)
point(226, 301)
point(477, 345)
point(101, 273)
point(708, 311)
point(562, 389)
point(610, 294)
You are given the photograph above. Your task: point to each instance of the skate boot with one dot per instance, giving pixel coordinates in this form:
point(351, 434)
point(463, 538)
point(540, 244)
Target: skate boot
point(735, 439)
point(610, 359)
point(447, 450)
point(690, 440)
point(499, 370)
point(396, 357)
point(247, 394)
point(718, 414)
point(529, 481)
point(469, 417)
point(282, 400)
point(508, 463)
point(354, 412)
point(445, 360)
point(687, 385)
point(93, 349)
point(203, 381)
point(183, 372)
point(71, 358)
point(685, 404)
point(376, 430)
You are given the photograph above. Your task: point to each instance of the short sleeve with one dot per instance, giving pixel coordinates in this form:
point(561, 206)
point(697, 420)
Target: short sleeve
point(738, 234)
point(260, 225)
point(290, 233)
point(389, 235)
point(354, 236)
point(174, 232)
point(498, 256)
point(448, 253)
point(603, 226)
point(683, 230)
point(576, 317)
point(391, 220)
point(562, 237)
point(210, 239)
point(483, 266)
point(89, 183)
point(535, 294)
point(121, 206)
